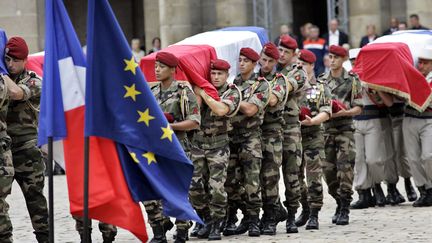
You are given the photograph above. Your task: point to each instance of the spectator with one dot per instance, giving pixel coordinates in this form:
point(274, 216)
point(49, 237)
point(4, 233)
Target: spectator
point(335, 36)
point(156, 45)
point(136, 49)
point(326, 61)
point(415, 23)
point(402, 26)
point(370, 35)
point(317, 46)
point(304, 31)
point(284, 30)
point(394, 23)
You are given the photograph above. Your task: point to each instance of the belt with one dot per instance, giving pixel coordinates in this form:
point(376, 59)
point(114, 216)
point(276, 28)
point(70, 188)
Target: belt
point(239, 131)
point(410, 112)
point(310, 129)
point(211, 139)
point(271, 126)
point(337, 122)
point(397, 109)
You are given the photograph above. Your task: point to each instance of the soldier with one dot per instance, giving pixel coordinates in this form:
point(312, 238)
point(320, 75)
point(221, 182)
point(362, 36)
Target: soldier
point(339, 148)
point(417, 133)
point(271, 137)
point(245, 146)
point(315, 109)
point(292, 147)
point(179, 104)
point(24, 89)
point(108, 231)
point(210, 151)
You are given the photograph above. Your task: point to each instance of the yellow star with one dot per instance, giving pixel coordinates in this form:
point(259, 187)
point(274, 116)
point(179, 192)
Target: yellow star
point(131, 65)
point(167, 133)
point(150, 157)
point(131, 92)
point(133, 155)
point(145, 117)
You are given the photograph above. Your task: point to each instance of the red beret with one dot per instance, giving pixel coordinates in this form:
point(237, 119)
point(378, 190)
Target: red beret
point(16, 47)
point(271, 50)
point(288, 42)
point(307, 56)
point(338, 51)
point(219, 64)
point(167, 58)
point(250, 53)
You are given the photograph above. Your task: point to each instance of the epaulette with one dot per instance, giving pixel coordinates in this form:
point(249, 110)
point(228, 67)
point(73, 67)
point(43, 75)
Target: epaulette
point(320, 81)
point(33, 74)
point(321, 76)
point(153, 84)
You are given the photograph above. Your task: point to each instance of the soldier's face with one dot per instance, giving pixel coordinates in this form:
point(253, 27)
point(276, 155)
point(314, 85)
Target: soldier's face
point(218, 77)
point(286, 55)
point(267, 63)
point(163, 72)
point(336, 61)
point(246, 65)
point(309, 68)
point(15, 66)
point(424, 66)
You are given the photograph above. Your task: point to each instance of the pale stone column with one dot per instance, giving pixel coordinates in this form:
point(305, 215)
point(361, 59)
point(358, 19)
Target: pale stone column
point(176, 19)
point(231, 13)
point(362, 13)
point(151, 22)
point(421, 7)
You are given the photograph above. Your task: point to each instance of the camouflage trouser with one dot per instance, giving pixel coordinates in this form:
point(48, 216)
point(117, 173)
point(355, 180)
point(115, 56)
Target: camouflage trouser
point(244, 172)
point(6, 179)
point(292, 152)
point(313, 155)
point(207, 191)
point(108, 231)
point(271, 163)
point(29, 173)
point(339, 164)
point(156, 218)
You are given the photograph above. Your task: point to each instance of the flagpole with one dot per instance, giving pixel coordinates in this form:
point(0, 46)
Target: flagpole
point(50, 190)
point(86, 188)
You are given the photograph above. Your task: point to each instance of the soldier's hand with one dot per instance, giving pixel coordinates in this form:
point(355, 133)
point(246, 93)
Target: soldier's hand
point(307, 121)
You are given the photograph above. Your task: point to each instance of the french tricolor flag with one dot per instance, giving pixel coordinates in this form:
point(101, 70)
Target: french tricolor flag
point(62, 117)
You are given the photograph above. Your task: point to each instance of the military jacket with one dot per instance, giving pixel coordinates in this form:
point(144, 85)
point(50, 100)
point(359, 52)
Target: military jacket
point(296, 77)
point(22, 115)
point(180, 101)
point(253, 91)
point(273, 114)
point(4, 103)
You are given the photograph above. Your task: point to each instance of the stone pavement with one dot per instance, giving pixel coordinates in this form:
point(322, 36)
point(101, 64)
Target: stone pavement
point(388, 224)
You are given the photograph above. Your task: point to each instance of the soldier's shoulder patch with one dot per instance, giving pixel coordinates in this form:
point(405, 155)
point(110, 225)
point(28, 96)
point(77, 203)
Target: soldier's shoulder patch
point(232, 86)
point(278, 88)
point(195, 111)
point(231, 98)
point(260, 96)
point(279, 75)
point(297, 77)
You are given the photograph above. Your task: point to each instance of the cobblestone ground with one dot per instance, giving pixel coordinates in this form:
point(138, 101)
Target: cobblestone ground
point(388, 224)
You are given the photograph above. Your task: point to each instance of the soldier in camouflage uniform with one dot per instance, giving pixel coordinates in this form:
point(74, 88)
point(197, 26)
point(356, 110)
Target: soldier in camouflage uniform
point(339, 137)
point(108, 231)
point(271, 138)
point(179, 104)
point(245, 147)
point(24, 89)
point(292, 147)
point(315, 109)
point(210, 151)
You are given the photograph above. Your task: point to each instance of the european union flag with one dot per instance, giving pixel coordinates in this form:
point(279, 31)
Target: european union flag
point(3, 41)
point(120, 106)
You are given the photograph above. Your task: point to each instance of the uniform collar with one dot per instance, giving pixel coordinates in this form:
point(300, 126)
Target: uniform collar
point(172, 87)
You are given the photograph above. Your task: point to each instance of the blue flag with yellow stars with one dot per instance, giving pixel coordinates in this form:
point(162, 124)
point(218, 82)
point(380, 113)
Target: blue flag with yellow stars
point(120, 106)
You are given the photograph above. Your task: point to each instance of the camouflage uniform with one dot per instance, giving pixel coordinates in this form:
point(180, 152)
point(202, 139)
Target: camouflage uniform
point(108, 231)
point(6, 168)
point(243, 173)
point(339, 138)
point(272, 144)
point(27, 158)
point(169, 101)
point(292, 146)
point(210, 154)
point(318, 99)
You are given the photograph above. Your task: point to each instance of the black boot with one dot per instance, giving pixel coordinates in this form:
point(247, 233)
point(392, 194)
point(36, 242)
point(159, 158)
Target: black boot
point(253, 228)
point(230, 222)
point(313, 219)
point(167, 225)
point(379, 195)
point(90, 239)
point(304, 216)
point(290, 223)
point(203, 214)
point(372, 199)
point(109, 238)
point(194, 232)
point(158, 234)
point(215, 232)
point(425, 199)
point(400, 198)
point(281, 214)
point(181, 236)
point(204, 232)
point(363, 201)
point(243, 226)
point(268, 224)
point(343, 218)
point(337, 212)
point(411, 193)
point(393, 195)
